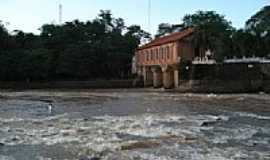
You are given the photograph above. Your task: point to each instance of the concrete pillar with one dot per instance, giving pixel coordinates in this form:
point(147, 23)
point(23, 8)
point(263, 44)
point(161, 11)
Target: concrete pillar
point(168, 77)
point(147, 77)
point(176, 75)
point(157, 77)
point(176, 78)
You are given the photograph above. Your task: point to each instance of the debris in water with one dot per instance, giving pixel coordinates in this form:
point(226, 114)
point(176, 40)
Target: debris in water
point(212, 95)
point(50, 107)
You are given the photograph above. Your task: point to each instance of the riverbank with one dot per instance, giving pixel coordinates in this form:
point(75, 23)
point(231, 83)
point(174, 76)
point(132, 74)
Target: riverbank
point(186, 86)
point(95, 84)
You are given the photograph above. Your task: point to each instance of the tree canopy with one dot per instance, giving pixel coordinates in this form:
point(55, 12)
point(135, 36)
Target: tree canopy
point(260, 22)
point(213, 31)
point(101, 48)
point(254, 38)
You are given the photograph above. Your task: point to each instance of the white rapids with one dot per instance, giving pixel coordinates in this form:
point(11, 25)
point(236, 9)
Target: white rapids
point(133, 126)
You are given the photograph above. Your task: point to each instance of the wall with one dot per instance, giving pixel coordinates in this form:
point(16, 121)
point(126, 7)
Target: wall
point(157, 55)
point(226, 78)
point(266, 77)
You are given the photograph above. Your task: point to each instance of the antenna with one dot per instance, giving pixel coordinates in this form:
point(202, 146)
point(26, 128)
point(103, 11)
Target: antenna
point(149, 15)
point(60, 13)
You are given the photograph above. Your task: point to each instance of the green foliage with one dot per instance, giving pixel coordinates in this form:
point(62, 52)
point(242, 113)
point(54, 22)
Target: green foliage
point(260, 22)
point(24, 64)
point(166, 28)
point(4, 37)
point(259, 27)
point(212, 31)
point(101, 48)
point(247, 44)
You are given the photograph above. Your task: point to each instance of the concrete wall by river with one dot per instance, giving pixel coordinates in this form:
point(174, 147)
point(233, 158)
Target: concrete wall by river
point(217, 78)
point(226, 78)
point(68, 84)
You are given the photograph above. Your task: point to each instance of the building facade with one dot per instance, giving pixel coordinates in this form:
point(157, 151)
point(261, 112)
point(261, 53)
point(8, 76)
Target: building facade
point(158, 62)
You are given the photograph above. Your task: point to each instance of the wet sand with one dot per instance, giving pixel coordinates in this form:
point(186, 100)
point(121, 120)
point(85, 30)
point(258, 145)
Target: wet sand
point(133, 125)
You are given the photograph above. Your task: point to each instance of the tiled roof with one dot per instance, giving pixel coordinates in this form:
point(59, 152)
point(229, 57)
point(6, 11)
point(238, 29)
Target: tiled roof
point(167, 39)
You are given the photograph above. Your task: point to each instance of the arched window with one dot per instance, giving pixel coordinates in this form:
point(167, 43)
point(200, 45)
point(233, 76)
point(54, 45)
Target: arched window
point(171, 52)
point(162, 53)
point(142, 56)
point(156, 53)
point(168, 52)
point(147, 55)
point(152, 54)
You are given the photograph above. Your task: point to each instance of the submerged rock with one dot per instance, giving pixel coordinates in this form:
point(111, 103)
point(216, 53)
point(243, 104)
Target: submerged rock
point(208, 123)
point(15, 139)
point(93, 158)
point(140, 145)
point(2, 144)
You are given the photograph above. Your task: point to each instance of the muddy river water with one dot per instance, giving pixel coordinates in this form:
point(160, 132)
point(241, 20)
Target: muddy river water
point(133, 125)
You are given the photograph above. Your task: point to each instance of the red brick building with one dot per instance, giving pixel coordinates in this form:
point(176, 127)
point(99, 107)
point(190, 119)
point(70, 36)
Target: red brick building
point(158, 61)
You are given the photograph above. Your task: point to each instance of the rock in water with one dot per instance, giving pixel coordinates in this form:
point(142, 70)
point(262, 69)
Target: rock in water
point(2, 144)
point(93, 158)
point(208, 123)
point(140, 145)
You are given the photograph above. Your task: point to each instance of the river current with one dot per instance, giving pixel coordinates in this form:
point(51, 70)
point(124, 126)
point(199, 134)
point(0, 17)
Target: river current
point(133, 125)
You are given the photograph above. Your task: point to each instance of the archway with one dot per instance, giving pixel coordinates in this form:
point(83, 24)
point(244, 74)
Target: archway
point(148, 77)
point(157, 77)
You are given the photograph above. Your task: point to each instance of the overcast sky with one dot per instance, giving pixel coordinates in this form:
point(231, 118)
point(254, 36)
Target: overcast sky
point(29, 15)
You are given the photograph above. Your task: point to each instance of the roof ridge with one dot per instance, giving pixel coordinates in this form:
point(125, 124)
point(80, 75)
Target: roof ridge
point(168, 38)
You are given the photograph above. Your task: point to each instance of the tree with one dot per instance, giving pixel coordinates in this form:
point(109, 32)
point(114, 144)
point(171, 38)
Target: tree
point(260, 22)
point(136, 35)
point(3, 36)
point(212, 31)
point(100, 48)
point(26, 40)
point(166, 28)
point(259, 26)
point(243, 43)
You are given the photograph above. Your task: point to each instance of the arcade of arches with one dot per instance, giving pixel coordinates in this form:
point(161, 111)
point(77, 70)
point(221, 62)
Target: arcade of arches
point(158, 61)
